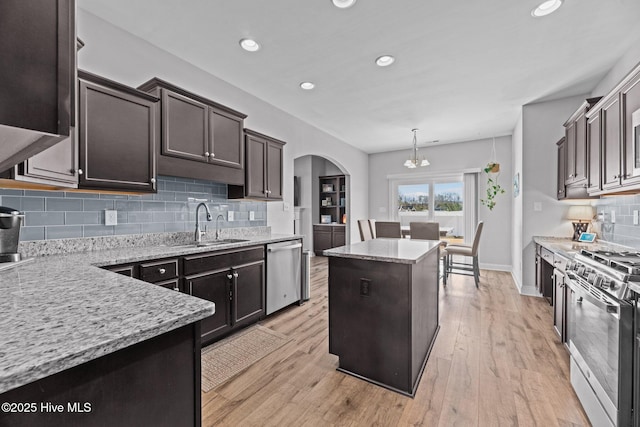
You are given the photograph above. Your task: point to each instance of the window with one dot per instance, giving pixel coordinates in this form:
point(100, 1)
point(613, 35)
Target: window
point(439, 199)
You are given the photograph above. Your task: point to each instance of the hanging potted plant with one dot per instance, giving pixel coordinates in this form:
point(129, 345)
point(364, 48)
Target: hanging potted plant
point(493, 187)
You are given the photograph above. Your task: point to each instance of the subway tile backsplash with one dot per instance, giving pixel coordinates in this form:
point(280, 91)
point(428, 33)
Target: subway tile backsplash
point(622, 231)
point(59, 214)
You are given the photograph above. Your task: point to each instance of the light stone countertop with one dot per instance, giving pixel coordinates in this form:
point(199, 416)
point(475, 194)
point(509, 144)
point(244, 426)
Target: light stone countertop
point(60, 311)
point(568, 248)
point(400, 251)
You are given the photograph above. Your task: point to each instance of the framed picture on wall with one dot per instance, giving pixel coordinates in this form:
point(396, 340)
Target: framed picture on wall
point(516, 185)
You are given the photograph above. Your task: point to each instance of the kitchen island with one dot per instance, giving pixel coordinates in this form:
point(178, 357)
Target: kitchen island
point(383, 309)
point(81, 345)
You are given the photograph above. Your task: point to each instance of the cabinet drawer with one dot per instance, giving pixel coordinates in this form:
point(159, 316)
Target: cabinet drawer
point(547, 255)
point(125, 270)
point(159, 271)
point(173, 284)
point(560, 262)
point(210, 261)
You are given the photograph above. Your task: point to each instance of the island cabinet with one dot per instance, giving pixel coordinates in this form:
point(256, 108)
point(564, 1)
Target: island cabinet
point(263, 168)
point(235, 281)
point(118, 134)
point(37, 47)
point(200, 138)
point(383, 310)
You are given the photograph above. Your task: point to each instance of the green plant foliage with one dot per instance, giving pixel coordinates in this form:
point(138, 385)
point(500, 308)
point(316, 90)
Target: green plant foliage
point(493, 188)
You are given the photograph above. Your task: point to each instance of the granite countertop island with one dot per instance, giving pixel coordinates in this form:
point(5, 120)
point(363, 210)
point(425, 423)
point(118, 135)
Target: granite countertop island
point(383, 309)
point(60, 311)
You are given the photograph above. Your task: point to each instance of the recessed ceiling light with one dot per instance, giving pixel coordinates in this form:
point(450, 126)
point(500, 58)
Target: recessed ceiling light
point(307, 85)
point(343, 4)
point(385, 60)
point(546, 8)
point(249, 45)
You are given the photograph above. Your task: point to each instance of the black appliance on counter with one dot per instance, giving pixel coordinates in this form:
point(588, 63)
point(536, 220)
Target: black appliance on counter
point(10, 223)
point(600, 330)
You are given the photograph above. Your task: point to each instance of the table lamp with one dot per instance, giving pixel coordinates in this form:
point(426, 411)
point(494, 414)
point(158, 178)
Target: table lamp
point(580, 213)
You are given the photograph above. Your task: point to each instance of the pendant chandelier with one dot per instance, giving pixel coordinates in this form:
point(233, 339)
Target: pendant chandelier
point(414, 161)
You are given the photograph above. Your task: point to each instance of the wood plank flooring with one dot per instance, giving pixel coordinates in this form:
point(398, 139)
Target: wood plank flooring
point(496, 362)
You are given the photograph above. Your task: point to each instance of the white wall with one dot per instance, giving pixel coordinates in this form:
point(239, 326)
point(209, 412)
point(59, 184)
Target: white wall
point(517, 207)
point(495, 244)
point(120, 56)
point(541, 129)
point(629, 60)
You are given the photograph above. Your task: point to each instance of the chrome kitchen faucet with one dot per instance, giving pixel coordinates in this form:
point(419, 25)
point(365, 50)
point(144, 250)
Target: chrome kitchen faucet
point(198, 235)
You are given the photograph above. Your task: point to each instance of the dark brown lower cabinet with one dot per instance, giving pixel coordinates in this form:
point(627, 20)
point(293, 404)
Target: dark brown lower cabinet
point(236, 286)
point(544, 273)
point(559, 305)
point(152, 383)
point(327, 237)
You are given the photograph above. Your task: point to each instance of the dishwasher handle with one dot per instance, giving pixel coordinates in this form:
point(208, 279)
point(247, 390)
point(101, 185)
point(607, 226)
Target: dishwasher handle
point(284, 248)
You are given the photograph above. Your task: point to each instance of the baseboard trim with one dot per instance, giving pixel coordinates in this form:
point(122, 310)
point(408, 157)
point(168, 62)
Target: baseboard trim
point(495, 267)
point(529, 291)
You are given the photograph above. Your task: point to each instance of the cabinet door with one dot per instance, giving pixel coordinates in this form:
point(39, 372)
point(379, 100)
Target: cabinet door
point(185, 127)
point(610, 122)
point(570, 135)
point(593, 153)
point(562, 168)
point(559, 305)
point(214, 287)
point(57, 165)
point(256, 157)
point(117, 137)
point(248, 293)
point(580, 171)
point(338, 237)
point(226, 145)
point(322, 239)
point(539, 281)
point(630, 103)
point(274, 170)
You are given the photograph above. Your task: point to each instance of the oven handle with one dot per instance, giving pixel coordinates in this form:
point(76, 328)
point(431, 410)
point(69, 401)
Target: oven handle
point(609, 308)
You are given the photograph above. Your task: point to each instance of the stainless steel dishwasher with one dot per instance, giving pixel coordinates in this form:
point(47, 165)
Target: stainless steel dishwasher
point(284, 274)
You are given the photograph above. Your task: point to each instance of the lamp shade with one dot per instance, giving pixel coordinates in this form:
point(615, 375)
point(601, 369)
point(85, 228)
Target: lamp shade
point(580, 213)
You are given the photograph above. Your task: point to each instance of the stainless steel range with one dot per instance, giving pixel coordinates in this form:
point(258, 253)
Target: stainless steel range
point(600, 333)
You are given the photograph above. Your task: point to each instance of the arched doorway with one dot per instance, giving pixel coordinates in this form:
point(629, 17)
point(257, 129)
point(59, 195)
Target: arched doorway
point(307, 171)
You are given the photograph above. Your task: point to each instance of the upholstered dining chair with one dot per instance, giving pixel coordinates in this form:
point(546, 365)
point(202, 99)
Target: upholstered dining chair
point(431, 231)
point(365, 230)
point(372, 226)
point(388, 229)
point(466, 269)
point(424, 230)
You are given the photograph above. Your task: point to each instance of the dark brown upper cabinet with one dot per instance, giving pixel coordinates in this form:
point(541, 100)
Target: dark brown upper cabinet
point(118, 134)
point(629, 104)
point(610, 159)
point(263, 168)
point(562, 167)
point(37, 70)
point(200, 138)
point(594, 139)
point(576, 165)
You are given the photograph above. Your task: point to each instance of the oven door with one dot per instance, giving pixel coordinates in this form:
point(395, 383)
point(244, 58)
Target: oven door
point(600, 337)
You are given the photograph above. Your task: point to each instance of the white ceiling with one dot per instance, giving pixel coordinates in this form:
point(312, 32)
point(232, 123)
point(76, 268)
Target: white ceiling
point(462, 70)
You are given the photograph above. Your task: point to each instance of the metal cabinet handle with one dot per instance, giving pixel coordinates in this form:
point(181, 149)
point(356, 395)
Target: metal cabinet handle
point(80, 172)
point(206, 154)
point(229, 276)
point(190, 288)
point(162, 270)
point(212, 155)
point(235, 274)
point(153, 180)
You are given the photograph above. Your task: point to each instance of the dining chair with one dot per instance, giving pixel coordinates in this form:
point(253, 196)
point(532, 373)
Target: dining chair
point(372, 227)
point(388, 229)
point(365, 230)
point(431, 231)
point(424, 230)
point(467, 251)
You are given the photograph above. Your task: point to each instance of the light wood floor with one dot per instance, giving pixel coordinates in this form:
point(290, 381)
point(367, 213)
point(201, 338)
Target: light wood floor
point(496, 362)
